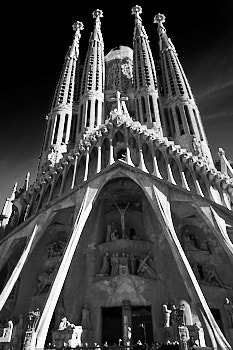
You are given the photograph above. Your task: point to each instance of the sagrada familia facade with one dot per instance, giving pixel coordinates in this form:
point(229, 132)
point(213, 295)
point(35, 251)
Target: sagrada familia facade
point(125, 237)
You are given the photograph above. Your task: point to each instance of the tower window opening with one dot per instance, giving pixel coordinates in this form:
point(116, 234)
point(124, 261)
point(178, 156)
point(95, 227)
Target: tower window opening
point(57, 122)
point(179, 119)
point(144, 109)
point(65, 128)
point(73, 128)
point(189, 121)
point(48, 134)
point(198, 125)
point(152, 108)
point(88, 113)
point(172, 121)
point(160, 113)
point(168, 127)
point(96, 112)
point(80, 119)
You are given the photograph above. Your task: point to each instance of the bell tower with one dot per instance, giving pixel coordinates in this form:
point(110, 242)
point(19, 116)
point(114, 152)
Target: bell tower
point(59, 120)
point(182, 120)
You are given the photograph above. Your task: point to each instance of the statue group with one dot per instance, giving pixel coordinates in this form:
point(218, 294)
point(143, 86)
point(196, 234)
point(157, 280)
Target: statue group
point(173, 316)
point(124, 264)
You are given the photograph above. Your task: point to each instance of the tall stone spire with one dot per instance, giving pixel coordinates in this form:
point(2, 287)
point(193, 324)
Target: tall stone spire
point(145, 81)
point(60, 120)
point(92, 86)
point(182, 121)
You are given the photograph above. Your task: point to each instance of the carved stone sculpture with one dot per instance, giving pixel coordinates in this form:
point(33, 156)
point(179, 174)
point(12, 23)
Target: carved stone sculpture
point(85, 321)
point(46, 278)
point(115, 264)
point(228, 307)
point(7, 333)
point(56, 249)
point(105, 268)
point(167, 316)
point(33, 319)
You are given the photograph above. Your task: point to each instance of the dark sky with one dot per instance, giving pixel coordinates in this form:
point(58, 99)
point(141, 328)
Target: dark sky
point(35, 37)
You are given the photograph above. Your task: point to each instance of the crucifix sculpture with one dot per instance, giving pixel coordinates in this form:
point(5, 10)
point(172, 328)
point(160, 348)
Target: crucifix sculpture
point(119, 101)
point(122, 214)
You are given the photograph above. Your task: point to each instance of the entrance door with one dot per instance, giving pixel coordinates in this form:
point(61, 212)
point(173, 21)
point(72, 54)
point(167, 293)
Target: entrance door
point(111, 325)
point(142, 324)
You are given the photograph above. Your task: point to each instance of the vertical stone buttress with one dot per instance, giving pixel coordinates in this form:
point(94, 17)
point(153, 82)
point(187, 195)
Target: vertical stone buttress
point(61, 119)
point(92, 86)
point(182, 121)
point(145, 80)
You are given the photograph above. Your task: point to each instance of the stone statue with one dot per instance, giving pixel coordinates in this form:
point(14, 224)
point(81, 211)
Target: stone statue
point(132, 264)
point(183, 336)
point(197, 272)
point(105, 269)
point(108, 234)
point(64, 324)
point(46, 278)
point(33, 319)
point(7, 333)
point(76, 337)
point(113, 235)
point(56, 249)
point(228, 307)
point(177, 316)
point(115, 264)
point(211, 276)
point(122, 214)
point(144, 270)
point(85, 321)
point(204, 246)
point(167, 314)
point(124, 264)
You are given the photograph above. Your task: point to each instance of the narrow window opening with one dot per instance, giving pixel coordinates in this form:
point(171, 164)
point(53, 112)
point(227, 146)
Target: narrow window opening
point(73, 128)
point(48, 134)
point(152, 108)
point(169, 132)
point(88, 113)
point(96, 112)
point(57, 122)
point(80, 119)
point(189, 121)
point(65, 128)
point(179, 119)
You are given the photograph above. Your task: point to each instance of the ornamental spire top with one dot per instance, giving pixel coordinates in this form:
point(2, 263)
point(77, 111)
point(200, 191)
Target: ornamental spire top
point(77, 27)
point(97, 14)
point(160, 19)
point(137, 10)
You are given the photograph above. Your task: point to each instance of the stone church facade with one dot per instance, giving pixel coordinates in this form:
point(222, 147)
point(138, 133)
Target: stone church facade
point(126, 234)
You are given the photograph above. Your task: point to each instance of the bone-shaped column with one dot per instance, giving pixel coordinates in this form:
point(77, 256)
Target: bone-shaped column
point(161, 205)
point(39, 338)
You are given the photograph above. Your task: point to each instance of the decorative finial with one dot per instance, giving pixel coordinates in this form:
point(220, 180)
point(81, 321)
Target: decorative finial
point(160, 19)
point(77, 27)
point(136, 10)
point(97, 14)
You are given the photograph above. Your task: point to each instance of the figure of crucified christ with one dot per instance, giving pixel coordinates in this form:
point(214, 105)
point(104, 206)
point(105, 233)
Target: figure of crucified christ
point(122, 214)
